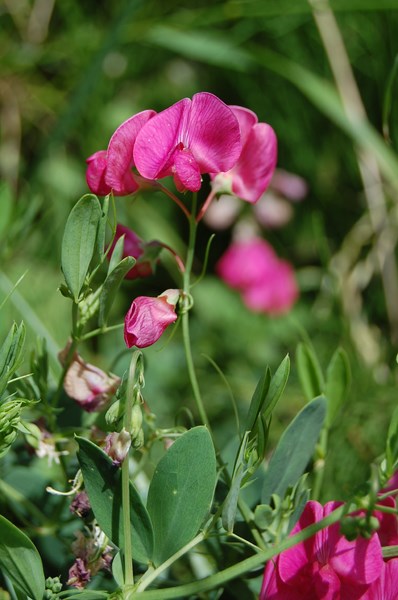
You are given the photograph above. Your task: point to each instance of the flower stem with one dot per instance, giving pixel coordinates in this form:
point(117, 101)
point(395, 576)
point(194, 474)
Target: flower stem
point(185, 316)
point(128, 551)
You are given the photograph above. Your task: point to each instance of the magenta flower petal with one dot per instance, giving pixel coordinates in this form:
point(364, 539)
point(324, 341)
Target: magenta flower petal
point(385, 587)
point(212, 134)
point(158, 140)
point(273, 588)
point(95, 174)
point(326, 584)
point(254, 170)
point(147, 319)
point(120, 158)
point(187, 174)
point(133, 246)
point(205, 127)
point(247, 119)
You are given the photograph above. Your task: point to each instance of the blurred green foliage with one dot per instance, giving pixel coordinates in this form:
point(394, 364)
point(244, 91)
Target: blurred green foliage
point(73, 71)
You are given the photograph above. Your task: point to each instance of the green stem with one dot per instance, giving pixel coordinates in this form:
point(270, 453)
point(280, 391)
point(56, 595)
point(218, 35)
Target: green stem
point(320, 464)
point(185, 316)
point(219, 579)
point(128, 550)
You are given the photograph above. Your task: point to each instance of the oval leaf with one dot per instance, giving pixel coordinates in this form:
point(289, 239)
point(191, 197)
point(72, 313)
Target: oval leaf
point(103, 484)
point(79, 240)
point(294, 450)
point(20, 560)
point(181, 492)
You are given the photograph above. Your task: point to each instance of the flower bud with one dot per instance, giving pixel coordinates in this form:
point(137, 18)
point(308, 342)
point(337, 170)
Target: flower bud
point(91, 387)
point(148, 317)
point(117, 446)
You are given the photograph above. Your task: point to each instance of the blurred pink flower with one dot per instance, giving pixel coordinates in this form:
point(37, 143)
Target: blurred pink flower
point(289, 185)
point(385, 587)
point(267, 283)
point(148, 317)
point(245, 262)
point(187, 139)
point(133, 246)
point(250, 176)
point(110, 170)
point(276, 293)
point(91, 387)
point(325, 566)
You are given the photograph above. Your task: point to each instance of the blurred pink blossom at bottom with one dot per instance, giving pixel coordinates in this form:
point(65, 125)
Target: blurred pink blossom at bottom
point(266, 282)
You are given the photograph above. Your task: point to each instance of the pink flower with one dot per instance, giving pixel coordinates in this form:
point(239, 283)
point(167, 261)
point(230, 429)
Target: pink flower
point(147, 318)
point(133, 246)
point(324, 567)
point(388, 530)
point(276, 293)
point(245, 262)
point(110, 170)
point(267, 283)
point(385, 587)
point(250, 176)
point(91, 387)
point(187, 139)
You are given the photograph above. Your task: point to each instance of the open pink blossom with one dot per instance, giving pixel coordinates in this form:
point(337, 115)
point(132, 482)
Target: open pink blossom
point(148, 317)
point(133, 246)
point(110, 170)
point(245, 262)
point(250, 176)
point(385, 587)
point(187, 139)
point(325, 566)
point(276, 293)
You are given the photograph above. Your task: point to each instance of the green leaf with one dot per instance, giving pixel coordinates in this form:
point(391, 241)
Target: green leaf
point(294, 450)
point(181, 492)
point(79, 241)
point(111, 286)
point(231, 501)
point(101, 232)
point(104, 487)
point(20, 560)
point(309, 371)
point(258, 399)
point(338, 380)
point(392, 444)
point(117, 254)
point(87, 595)
point(276, 387)
point(11, 354)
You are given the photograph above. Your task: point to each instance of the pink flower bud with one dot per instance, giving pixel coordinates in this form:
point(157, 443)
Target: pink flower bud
point(91, 387)
point(133, 246)
point(148, 317)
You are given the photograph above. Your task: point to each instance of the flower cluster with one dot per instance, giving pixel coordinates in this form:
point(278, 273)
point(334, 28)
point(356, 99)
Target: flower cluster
point(188, 139)
point(327, 566)
point(267, 283)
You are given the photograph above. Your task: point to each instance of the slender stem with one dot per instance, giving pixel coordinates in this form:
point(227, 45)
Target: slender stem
point(185, 316)
point(175, 199)
point(100, 331)
point(320, 465)
point(206, 204)
point(220, 578)
point(128, 550)
point(150, 576)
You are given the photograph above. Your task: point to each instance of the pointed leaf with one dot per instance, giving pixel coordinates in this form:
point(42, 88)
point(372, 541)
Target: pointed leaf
point(181, 492)
point(20, 560)
point(338, 379)
point(117, 254)
point(11, 354)
point(111, 286)
point(309, 371)
point(228, 514)
point(257, 401)
point(277, 387)
point(294, 450)
point(392, 444)
point(101, 232)
point(79, 241)
point(104, 488)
